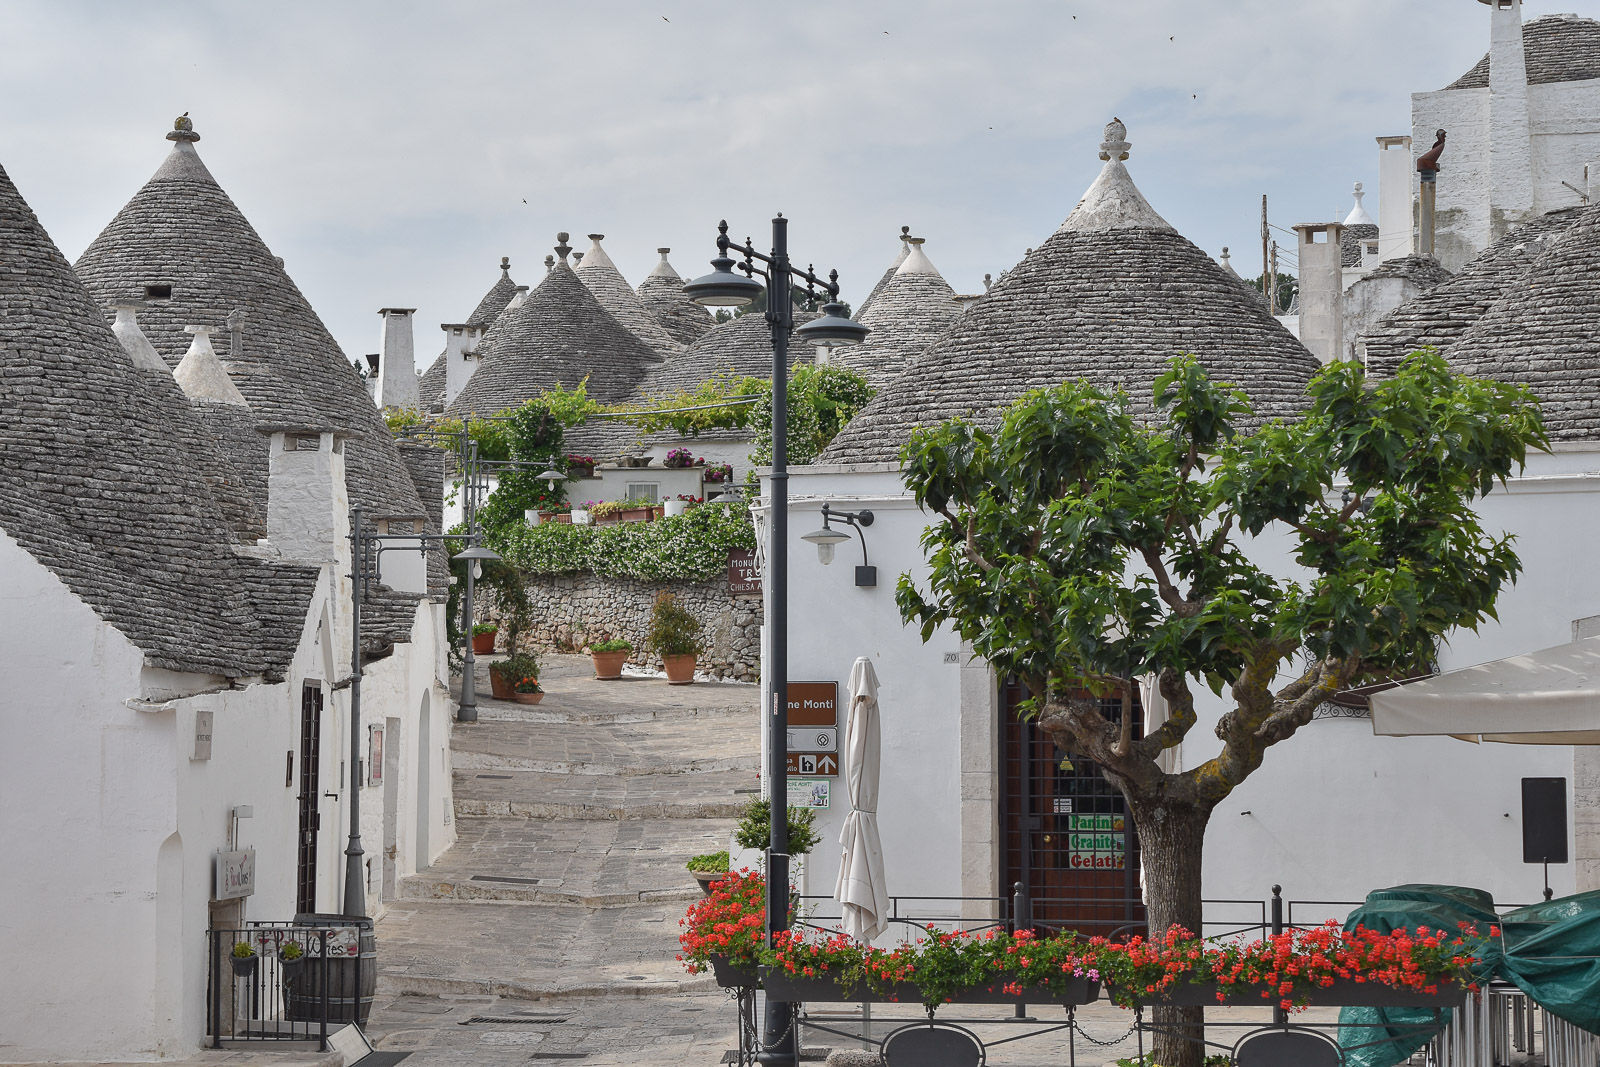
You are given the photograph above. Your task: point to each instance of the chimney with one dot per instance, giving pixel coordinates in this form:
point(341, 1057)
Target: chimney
point(308, 508)
point(460, 356)
point(1395, 220)
point(1510, 140)
point(201, 375)
point(1321, 290)
point(397, 361)
point(235, 322)
point(133, 340)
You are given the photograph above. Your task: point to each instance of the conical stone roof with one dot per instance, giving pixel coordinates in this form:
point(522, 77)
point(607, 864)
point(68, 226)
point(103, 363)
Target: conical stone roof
point(560, 335)
point(905, 250)
point(182, 230)
point(906, 315)
point(430, 386)
point(661, 292)
point(1555, 48)
point(606, 282)
point(1110, 297)
point(740, 348)
point(1443, 314)
point(99, 481)
point(1544, 332)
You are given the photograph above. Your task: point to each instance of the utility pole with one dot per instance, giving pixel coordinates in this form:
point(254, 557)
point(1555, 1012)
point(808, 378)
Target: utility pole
point(1267, 279)
point(1272, 280)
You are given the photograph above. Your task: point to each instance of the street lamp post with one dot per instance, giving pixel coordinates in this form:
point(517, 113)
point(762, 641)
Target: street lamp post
point(366, 551)
point(723, 288)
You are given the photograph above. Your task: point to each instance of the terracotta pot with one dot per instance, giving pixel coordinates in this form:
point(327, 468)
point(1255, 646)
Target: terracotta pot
point(483, 644)
point(680, 669)
point(635, 514)
point(603, 520)
point(528, 698)
point(608, 665)
point(501, 687)
point(657, 512)
point(705, 878)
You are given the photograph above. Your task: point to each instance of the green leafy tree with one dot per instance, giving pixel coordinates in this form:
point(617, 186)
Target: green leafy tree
point(823, 398)
point(1080, 547)
point(1286, 287)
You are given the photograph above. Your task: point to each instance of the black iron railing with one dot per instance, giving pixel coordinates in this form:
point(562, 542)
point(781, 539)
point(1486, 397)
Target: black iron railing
point(294, 981)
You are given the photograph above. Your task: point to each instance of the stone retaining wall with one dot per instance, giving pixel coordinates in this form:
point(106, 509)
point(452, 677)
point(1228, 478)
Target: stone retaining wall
point(571, 611)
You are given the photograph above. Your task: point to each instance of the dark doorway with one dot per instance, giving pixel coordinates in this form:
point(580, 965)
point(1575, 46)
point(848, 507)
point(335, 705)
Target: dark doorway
point(1068, 836)
point(310, 819)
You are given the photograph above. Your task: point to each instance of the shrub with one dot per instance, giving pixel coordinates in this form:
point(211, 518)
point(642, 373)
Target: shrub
point(529, 684)
point(693, 546)
point(614, 644)
point(674, 631)
point(291, 951)
point(713, 862)
point(479, 629)
point(242, 950)
point(755, 829)
point(518, 665)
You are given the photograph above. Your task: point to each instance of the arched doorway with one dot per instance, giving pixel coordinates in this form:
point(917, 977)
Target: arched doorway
point(1067, 833)
point(424, 779)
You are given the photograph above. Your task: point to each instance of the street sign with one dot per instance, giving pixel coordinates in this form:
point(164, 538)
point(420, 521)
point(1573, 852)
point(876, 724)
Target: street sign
point(234, 875)
point(814, 739)
point(743, 578)
point(809, 793)
point(807, 764)
point(813, 704)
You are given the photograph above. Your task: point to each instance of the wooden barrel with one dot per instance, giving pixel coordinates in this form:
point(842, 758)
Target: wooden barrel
point(351, 980)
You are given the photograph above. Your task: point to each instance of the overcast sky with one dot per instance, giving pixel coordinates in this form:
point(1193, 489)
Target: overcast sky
point(392, 152)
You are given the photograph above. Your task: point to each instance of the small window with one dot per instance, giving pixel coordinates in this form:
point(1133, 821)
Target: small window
point(302, 443)
point(158, 292)
point(650, 491)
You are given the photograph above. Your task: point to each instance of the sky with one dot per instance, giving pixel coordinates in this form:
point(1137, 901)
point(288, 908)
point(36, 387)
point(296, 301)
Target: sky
point(392, 152)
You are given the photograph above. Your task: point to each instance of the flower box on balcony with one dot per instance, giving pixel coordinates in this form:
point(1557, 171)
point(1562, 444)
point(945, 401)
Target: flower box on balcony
point(822, 990)
point(1343, 993)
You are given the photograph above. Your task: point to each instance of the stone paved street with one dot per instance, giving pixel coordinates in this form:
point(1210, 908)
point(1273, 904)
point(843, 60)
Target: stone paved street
point(548, 932)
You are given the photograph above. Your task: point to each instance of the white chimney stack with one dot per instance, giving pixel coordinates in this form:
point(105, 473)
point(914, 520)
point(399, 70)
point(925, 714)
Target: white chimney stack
point(132, 338)
point(308, 507)
point(460, 357)
point(397, 361)
point(1322, 290)
point(201, 375)
point(1395, 171)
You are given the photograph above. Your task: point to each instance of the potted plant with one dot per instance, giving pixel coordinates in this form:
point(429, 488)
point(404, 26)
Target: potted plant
point(580, 466)
point(290, 958)
point(581, 514)
point(709, 867)
point(675, 637)
point(718, 472)
point(635, 510)
point(244, 959)
point(755, 828)
point(678, 458)
point(483, 635)
point(609, 656)
point(528, 690)
point(504, 674)
point(605, 512)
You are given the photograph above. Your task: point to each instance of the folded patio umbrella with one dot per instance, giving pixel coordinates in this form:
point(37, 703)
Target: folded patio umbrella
point(861, 889)
point(1548, 697)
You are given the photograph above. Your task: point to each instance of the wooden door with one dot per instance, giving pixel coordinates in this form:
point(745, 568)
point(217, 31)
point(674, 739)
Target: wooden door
point(1068, 836)
point(310, 794)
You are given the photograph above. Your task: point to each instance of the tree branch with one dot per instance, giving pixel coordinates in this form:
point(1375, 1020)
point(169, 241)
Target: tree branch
point(1180, 716)
point(1169, 592)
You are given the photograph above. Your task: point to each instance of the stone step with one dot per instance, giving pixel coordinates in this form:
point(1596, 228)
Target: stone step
point(502, 711)
point(480, 761)
point(527, 794)
point(488, 889)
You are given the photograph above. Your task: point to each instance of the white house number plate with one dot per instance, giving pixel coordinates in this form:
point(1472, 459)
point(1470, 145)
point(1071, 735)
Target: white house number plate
point(814, 739)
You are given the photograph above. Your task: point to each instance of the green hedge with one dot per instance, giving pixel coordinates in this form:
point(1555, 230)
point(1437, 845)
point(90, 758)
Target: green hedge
point(689, 547)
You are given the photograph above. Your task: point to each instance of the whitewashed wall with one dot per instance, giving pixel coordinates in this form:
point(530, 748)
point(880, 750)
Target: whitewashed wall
point(1333, 812)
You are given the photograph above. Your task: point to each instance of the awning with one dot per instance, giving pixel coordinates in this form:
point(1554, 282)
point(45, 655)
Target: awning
point(1549, 697)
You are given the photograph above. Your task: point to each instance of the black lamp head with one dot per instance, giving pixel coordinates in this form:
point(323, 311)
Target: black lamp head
point(833, 327)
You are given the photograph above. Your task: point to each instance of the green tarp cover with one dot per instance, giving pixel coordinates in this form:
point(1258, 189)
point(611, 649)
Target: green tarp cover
point(1550, 951)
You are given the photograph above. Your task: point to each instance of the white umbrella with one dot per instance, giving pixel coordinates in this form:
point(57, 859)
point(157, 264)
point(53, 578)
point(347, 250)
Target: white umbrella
point(861, 890)
point(1548, 697)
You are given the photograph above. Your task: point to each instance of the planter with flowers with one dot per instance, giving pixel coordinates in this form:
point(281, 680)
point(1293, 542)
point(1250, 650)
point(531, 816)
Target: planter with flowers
point(505, 674)
point(679, 458)
point(718, 472)
point(483, 635)
point(608, 657)
point(1294, 970)
point(674, 636)
point(680, 504)
point(528, 690)
point(580, 466)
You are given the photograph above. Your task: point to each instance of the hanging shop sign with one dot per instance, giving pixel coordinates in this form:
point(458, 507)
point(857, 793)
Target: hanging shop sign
point(234, 875)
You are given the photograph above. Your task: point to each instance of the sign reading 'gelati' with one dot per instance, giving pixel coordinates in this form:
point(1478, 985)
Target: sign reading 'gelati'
point(813, 703)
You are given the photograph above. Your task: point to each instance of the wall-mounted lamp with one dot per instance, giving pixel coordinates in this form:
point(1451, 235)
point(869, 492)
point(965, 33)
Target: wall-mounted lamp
point(827, 537)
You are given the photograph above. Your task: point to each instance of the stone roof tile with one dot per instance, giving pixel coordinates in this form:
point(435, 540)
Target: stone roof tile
point(661, 292)
point(603, 278)
point(1556, 48)
point(905, 316)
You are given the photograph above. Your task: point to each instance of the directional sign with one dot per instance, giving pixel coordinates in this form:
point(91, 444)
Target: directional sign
point(813, 703)
point(814, 764)
point(814, 739)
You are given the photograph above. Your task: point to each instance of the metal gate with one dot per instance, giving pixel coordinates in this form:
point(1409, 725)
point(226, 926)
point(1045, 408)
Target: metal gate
point(1068, 837)
point(310, 794)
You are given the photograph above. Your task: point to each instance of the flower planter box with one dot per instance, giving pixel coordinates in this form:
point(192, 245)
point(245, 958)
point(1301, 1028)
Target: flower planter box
point(825, 990)
point(636, 514)
point(657, 512)
point(606, 519)
point(581, 470)
point(529, 698)
point(1342, 994)
point(733, 976)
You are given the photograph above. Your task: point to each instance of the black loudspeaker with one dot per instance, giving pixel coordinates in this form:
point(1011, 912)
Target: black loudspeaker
point(1544, 820)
